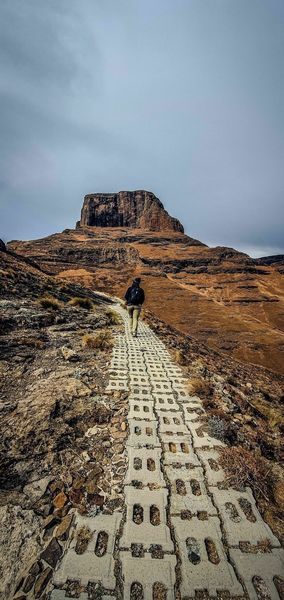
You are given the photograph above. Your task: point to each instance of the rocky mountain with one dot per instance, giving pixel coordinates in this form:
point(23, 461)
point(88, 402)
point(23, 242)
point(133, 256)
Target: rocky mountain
point(223, 297)
point(138, 209)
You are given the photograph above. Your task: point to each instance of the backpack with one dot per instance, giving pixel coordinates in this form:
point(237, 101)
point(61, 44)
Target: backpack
point(135, 295)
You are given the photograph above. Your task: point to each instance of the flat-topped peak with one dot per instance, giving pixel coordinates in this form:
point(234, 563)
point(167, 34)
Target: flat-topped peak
point(136, 209)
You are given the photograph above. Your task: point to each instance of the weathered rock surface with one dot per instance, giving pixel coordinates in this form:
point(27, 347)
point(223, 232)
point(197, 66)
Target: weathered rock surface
point(48, 402)
point(19, 542)
point(138, 209)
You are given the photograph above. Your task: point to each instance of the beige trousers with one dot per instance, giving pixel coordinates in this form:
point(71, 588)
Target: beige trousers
point(134, 314)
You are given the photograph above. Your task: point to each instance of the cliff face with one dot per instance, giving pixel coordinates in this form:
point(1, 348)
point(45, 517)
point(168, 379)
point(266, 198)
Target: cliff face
point(138, 209)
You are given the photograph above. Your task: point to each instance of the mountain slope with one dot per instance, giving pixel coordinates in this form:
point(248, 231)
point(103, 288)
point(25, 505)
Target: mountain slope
point(222, 297)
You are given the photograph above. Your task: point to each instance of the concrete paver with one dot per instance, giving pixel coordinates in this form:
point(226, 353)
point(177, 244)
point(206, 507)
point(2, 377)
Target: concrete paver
point(241, 520)
point(202, 439)
point(146, 519)
point(147, 572)
point(92, 565)
point(141, 409)
point(144, 466)
point(214, 472)
point(196, 540)
point(190, 494)
point(179, 451)
point(263, 566)
point(142, 433)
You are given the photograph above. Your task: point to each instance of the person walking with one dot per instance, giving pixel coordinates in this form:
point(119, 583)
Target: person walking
point(134, 299)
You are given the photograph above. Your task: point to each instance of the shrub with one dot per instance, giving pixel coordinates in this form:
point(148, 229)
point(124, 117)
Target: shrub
point(50, 302)
point(85, 303)
point(112, 316)
point(243, 468)
point(200, 387)
point(100, 341)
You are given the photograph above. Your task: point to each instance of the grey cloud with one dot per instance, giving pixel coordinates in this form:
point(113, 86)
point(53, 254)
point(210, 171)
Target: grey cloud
point(181, 97)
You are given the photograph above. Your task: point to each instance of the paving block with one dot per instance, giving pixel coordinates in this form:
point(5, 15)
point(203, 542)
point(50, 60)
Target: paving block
point(117, 384)
point(141, 391)
point(119, 364)
point(153, 368)
point(190, 493)
point(202, 439)
point(196, 540)
point(147, 572)
point(92, 565)
point(163, 387)
point(142, 433)
point(173, 424)
point(241, 520)
point(158, 377)
point(149, 508)
point(143, 409)
point(140, 380)
point(138, 370)
point(60, 595)
point(119, 373)
point(173, 371)
point(137, 362)
point(137, 397)
point(144, 466)
point(210, 461)
point(174, 472)
point(164, 402)
point(264, 566)
point(193, 416)
point(178, 451)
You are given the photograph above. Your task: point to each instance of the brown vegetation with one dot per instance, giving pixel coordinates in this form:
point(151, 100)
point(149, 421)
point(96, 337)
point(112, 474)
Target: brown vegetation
point(99, 341)
point(50, 302)
point(243, 468)
point(85, 303)
point(199, 387)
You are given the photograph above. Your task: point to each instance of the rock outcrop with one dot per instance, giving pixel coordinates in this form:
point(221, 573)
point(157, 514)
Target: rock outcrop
point(138, 209)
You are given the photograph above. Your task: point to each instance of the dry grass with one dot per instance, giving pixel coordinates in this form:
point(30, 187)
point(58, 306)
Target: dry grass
point(98, 341)
point(85, 303)
point(243, 468)
point(50, 302)
point(180, 357)
point(112, 316)
point(199, 387)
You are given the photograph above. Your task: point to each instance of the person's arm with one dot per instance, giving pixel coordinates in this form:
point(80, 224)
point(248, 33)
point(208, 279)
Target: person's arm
point(142, 296)
point(127, 294)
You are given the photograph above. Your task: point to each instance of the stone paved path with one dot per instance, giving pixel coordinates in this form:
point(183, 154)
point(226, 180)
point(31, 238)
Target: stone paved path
point(181, 532)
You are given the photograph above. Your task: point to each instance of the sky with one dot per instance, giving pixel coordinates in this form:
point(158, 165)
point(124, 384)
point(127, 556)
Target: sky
point(184, 98)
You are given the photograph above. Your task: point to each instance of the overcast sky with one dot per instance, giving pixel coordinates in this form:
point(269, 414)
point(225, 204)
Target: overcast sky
point(184, 98)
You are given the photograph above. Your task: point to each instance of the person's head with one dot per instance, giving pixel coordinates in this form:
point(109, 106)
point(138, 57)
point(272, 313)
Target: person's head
point(137, 281)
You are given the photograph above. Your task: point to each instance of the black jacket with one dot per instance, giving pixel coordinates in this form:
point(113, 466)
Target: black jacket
point(140, 296)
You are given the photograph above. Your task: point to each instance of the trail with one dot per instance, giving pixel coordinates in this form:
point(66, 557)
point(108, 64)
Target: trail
point(181, 529)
